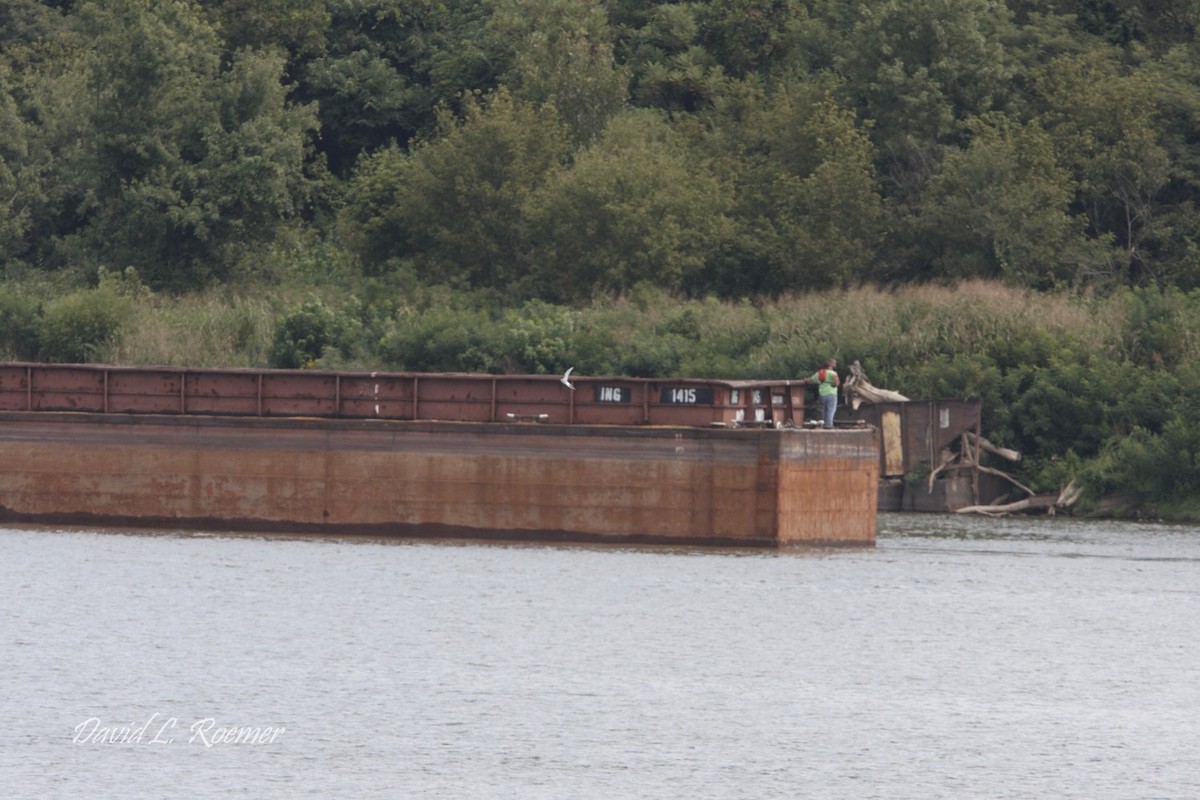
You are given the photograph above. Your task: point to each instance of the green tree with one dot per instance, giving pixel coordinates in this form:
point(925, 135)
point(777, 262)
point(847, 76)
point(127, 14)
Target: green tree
point(81, 326)
point(31, 34)
point(1000, 209)
point(1067, 404)
point(389, 65)
point(177, 164)
point(20, 315)
point(232, 190)
point(671, 70)
point(1104, 121)
point(41, 130)
point(1172, 243)
point(634, 207)
point(809, 213)
point(444, 339)
point(297, 26)
point(755, 37)
point(14, 135)
point(538, 338)
point(916, 69)
point(1157, 24)
point(1161, 466)
point(563, 55)
point(453, 209)
point(302, 337)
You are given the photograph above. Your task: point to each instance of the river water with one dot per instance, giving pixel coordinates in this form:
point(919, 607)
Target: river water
point(960, 658)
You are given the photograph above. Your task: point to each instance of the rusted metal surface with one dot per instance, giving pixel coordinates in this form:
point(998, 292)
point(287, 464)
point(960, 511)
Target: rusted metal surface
point(924, 428)
point(397, 396)
point(912, 435)
point(824, 478)
point(752, 487)
point(614, 459)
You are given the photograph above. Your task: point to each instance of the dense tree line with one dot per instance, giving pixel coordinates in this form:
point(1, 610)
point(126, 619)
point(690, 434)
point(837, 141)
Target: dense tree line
point(555, 149)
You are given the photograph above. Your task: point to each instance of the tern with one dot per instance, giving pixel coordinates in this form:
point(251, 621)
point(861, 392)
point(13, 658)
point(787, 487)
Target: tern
point(565, 380)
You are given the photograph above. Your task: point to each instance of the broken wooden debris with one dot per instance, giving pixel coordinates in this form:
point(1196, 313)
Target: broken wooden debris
point(859, 390)
point(983, 444)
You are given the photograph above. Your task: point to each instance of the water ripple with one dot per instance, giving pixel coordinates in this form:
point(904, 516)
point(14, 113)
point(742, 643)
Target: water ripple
point(960, 658)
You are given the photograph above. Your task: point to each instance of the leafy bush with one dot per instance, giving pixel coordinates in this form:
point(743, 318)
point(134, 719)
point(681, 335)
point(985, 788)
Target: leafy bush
point(1160, 465)
point(441, 339)
point(304, 335)
point(19, 315)
point(78, 327)
point(1154, 319)
point(540, 337)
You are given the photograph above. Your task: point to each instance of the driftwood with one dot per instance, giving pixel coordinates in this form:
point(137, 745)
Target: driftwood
point(971, 449)
point(1069, 495)
point(969, 458)
point(983, 444)
point(860, 390)
point(1047, 503)
point(966, 465)
point(1002, 474)
point(946, 460)
point(1041, 502)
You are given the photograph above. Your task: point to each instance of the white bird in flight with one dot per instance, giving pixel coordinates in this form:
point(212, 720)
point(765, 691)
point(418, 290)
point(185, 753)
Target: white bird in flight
point(565, 380)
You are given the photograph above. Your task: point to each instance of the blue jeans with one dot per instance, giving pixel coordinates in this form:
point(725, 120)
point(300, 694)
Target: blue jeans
point(828, 406)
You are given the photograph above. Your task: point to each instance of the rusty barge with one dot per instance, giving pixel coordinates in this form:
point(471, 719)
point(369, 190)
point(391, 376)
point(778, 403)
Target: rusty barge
point(528, 457)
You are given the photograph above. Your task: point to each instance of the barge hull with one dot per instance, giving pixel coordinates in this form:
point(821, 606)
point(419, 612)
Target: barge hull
point(643, 484)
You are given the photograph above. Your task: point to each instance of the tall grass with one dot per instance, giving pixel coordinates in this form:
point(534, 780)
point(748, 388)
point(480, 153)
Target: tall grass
point(213, 329)
point(912, 324)
point(889, 331)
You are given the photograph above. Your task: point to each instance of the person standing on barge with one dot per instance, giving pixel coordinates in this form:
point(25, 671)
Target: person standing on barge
point(827, 382)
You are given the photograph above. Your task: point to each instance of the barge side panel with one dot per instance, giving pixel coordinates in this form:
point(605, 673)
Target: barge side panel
point(827, 492)
point(747, 487)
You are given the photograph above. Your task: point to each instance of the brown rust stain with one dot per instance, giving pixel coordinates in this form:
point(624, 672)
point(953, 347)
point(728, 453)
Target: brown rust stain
point(638, 485)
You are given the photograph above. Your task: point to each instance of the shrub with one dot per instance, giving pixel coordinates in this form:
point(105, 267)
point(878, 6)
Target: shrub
point(301, 337)
point(78, 327)
point(539, 338)
point(441, 339)
point(19, 315)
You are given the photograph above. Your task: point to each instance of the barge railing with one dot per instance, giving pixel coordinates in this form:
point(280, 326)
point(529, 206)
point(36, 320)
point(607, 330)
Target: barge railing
point(583, 400)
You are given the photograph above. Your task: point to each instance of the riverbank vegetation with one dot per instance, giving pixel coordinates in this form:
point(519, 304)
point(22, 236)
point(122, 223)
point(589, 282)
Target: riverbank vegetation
point(974, 198)
point(1099, 388)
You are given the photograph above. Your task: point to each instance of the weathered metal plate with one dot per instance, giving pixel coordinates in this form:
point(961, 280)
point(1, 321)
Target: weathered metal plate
point(397, 396)
point(636, 484)
point(926, 426)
